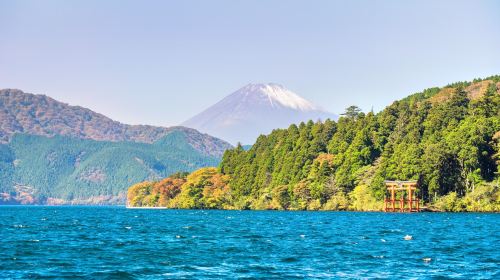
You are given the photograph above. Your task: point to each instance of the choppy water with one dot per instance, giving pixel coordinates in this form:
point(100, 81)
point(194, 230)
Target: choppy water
point(119, 243)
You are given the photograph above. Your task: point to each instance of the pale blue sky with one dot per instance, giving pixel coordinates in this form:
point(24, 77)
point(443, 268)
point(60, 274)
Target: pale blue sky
point(160, 62)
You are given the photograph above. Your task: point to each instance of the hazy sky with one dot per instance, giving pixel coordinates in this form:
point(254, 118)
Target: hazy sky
point(160, 62)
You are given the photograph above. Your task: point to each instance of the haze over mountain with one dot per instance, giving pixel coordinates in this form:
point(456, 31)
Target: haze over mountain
point(54, 153)
point(253, 110)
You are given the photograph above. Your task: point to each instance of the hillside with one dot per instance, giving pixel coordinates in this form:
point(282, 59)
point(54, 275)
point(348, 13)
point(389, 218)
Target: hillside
point(253, 110)
point(61, 170)
point(27, 113)
point(446, 138)
point(54, 153)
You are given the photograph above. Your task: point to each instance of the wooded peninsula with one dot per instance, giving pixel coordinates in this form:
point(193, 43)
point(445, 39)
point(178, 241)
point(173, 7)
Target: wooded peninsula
point(447, 139)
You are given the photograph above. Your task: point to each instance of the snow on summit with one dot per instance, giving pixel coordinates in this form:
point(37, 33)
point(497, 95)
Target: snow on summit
point(253, 110)
point(277, 94)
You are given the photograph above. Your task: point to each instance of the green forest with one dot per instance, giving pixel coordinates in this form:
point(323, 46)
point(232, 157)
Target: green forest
point(61, 169)
point(448, 139)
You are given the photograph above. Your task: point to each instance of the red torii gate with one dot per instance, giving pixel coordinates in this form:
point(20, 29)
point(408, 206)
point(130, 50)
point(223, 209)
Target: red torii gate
point(404, 186)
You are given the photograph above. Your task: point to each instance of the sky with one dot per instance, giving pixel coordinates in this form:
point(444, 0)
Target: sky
point(161, 62)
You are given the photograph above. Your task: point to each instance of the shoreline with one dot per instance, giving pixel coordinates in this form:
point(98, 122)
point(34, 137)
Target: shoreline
point(425, 210)
point(146, 207)
point(428, 210)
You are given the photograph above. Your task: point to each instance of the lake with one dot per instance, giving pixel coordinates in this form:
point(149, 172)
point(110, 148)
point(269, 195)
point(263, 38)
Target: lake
point(120, 243)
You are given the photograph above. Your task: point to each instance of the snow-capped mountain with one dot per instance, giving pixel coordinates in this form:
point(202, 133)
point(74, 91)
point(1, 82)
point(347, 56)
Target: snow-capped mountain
point(253, 110)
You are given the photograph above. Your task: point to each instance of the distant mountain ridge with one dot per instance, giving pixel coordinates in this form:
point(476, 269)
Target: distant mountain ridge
point(253, 110)
point(27, 113)
point(54, 153)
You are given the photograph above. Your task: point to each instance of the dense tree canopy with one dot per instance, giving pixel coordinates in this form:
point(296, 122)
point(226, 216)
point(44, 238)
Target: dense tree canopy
point(38, 169)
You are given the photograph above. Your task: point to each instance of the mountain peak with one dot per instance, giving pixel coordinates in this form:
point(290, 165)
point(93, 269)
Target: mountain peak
point(278, 95)
point(253, 110)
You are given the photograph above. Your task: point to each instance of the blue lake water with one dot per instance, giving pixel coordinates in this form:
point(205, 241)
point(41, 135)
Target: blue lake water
point(119, 243)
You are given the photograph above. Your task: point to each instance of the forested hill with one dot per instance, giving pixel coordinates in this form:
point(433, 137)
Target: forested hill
point(28, 113)
point(51, 152)
point(66, 170)
point(446, 138)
